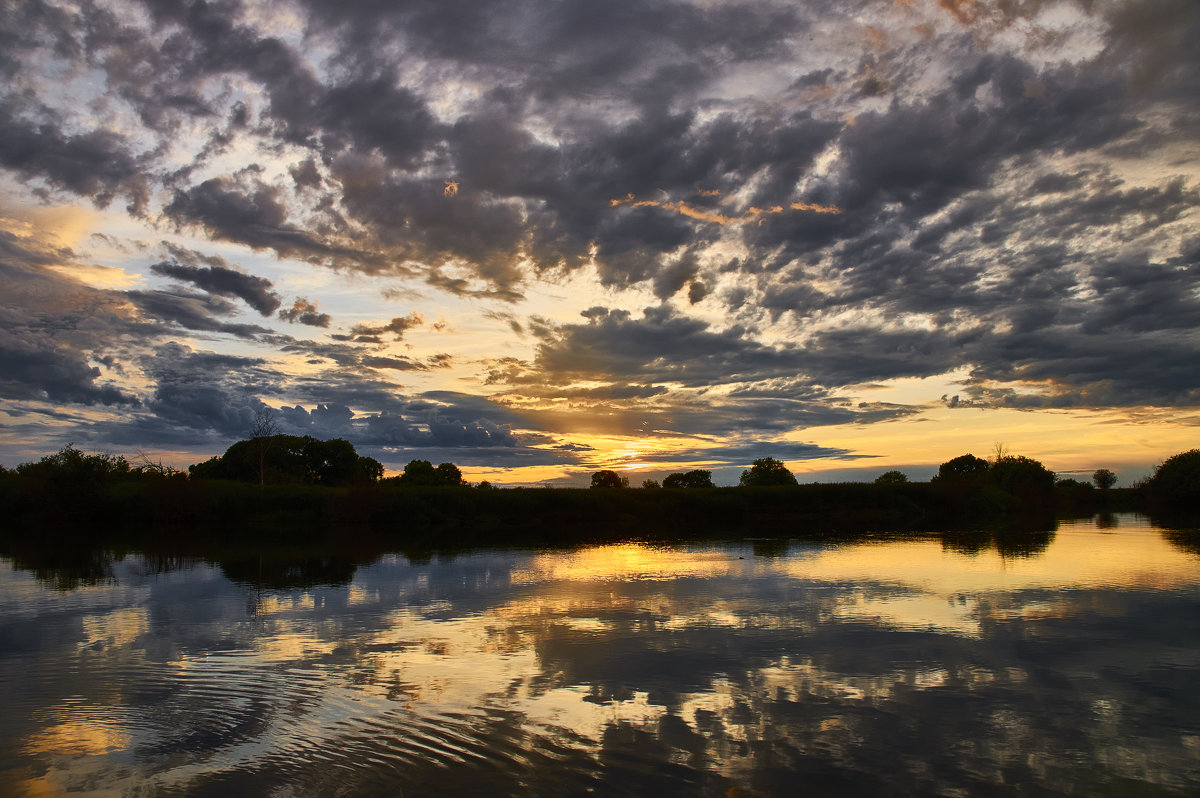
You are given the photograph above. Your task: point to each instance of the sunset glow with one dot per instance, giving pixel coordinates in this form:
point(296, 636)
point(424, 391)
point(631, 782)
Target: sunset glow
point(541, 241)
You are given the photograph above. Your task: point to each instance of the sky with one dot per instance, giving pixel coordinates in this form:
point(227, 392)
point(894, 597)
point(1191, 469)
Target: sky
point(538, 238)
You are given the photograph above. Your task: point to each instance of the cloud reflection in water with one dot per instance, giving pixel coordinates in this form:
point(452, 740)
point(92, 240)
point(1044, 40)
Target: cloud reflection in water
point(900, 666)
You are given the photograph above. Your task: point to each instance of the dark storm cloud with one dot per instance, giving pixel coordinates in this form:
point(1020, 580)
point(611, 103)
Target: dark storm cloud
point(439, 426)
point(205, 392)
point(564, 49)
point(395, 363)
point(246, 212)
point(914, 159)
point(373, 333)
point(305, 174)
point(1074, 369)
point(664, 346)
point(372, 110)
point(416, 220)
point(692, 414)
point(217, 277)
point(674, 360)
point(96, 164)
point(376, 114)
point(356, 362)
point(605, 393)
point(1056, 297)
point(1153, 41)
point(32, 370)
point(661, 346)
point(930, 206)
point(340, 353)
point(304, 312)
point(56, 333)
point(741, 453)
point(194, 312)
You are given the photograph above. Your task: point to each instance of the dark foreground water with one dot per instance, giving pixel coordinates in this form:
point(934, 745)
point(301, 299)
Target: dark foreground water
point(886, 668)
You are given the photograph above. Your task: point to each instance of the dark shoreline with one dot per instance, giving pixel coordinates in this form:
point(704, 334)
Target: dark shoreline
point(147, 511)
point(290, 536)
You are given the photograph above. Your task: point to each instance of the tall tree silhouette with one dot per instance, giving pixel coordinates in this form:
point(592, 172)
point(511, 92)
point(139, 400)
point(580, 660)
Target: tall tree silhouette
point(262, 431)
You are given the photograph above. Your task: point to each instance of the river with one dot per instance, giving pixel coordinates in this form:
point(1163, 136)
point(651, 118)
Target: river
point(928, 666)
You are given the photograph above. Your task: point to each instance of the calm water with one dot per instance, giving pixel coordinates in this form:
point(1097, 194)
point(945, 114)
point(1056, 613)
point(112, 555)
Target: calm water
point(743, 669)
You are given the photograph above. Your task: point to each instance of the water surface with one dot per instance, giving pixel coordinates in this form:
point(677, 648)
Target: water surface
point(938, 667)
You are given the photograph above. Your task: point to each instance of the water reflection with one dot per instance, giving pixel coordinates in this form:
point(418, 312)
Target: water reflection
point(897, 666)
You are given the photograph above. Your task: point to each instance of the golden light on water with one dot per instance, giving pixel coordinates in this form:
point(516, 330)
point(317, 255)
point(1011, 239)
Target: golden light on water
point(77, 737)
point(1133, 558)
point(624, 561)
point(431, 653)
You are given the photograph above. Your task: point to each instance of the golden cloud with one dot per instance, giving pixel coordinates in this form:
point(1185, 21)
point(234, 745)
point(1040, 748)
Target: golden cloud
point(751, 214)
point(967, 12)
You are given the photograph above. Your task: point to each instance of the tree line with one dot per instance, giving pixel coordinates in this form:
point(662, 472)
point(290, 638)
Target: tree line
point(1005, 480)
point(291, 488)
point(763, 472)
point(975, 486)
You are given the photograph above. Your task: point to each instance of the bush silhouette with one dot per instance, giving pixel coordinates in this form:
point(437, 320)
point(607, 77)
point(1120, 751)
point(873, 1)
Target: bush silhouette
point(609, 479)
point(767, 471)
point(1175, 484)
point(288, 459)
point(692, 479)
point(965, 468)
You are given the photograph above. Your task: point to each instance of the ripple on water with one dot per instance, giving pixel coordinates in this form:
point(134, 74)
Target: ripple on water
point(230, 722)
point(398, 751)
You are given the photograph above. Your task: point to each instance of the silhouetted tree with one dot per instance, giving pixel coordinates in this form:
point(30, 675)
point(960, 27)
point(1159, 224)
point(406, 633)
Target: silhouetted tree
point(697, 478)
point(449, 474)
point(368, 469)
point(71, 466)
point(291, 459)
point(965, 468)
point(767, 471)
point(145, 466)
point(422, 474)
point(69, 486)
point(419, 473)
point(1075, 497)
point(1023, 477)
point(262, 431)
point(1104, 479)
point(329, 462)
point(967, 492)
point(609, 479)
point(212, 468)
point(891, 478)
point(1175, 484)
point(650, 483)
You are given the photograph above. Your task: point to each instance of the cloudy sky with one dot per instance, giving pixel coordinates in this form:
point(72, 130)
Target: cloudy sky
point(541, 237)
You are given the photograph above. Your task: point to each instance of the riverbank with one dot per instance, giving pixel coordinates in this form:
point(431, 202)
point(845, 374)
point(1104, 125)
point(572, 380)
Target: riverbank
point(144, 511)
